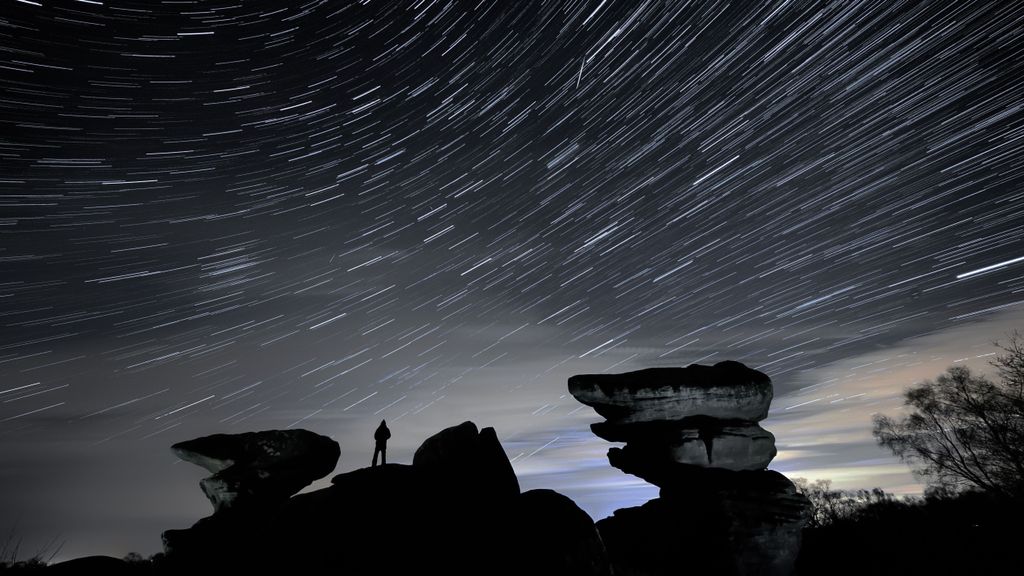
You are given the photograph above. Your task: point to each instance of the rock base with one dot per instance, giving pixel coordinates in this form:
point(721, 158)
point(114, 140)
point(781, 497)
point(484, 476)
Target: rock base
point(723, 523)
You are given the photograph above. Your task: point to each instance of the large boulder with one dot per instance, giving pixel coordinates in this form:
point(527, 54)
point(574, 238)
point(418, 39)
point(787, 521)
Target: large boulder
point(259, 468)
point(728, 390)
point(555, 537)
point(468, 461)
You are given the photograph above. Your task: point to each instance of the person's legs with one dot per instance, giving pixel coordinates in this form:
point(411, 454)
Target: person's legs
point(383, 456)
point(375, 452)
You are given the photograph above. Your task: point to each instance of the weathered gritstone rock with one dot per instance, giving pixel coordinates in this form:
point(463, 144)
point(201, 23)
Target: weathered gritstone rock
point(702, 416)
point(728, 391)
point(693, 431)
point(705, 442)
point(259, 468)
point(733, 448)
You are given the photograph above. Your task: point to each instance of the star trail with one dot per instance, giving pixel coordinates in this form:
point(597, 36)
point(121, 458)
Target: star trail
point(228, 216)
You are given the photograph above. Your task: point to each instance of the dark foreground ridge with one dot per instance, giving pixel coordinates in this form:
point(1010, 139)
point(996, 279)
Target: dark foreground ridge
point(458, 508)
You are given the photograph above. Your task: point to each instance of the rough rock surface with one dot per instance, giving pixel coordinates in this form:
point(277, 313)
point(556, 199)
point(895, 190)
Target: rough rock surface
point(701, 441)
point(259, 468)
point(732, 448)
point(727, 390)
point(693, 431)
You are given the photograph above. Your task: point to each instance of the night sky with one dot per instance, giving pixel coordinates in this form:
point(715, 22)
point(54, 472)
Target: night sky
point(231, 216)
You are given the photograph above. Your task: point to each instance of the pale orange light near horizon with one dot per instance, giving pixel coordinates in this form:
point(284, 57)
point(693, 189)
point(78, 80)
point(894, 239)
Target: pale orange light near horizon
point(818, 426)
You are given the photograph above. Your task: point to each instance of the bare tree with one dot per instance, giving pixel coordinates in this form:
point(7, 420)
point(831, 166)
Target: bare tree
point(830, 506)
point(964, 430)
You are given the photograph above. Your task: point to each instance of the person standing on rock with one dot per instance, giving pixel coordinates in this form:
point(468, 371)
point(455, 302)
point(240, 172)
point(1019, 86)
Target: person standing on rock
point(380, 438)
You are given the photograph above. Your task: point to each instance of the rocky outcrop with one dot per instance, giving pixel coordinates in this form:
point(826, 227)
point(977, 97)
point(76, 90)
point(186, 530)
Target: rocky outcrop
point(259, 468)
point(468, 460)
point(694, 432)
point(456, 510)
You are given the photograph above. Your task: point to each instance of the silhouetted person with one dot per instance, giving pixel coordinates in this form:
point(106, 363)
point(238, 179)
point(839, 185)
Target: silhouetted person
point(381, 443)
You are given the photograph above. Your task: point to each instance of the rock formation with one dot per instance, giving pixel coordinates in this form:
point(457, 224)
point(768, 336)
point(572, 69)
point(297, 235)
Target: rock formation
point(456, 510)
point(699, 415)
point(468, 461)
point(259, 468)
point(694, 432)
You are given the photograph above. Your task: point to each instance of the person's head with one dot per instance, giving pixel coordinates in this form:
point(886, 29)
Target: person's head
point(382, 422)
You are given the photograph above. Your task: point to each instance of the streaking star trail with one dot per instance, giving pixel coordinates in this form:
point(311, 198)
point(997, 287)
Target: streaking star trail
point(227, 216)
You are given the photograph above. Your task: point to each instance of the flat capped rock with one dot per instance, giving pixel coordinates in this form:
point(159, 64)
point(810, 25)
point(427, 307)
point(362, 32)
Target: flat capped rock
point(728, 390)
point(259, 467)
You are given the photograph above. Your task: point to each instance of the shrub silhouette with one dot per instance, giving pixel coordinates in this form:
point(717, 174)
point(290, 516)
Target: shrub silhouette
point(970, 532)
point(830, 506)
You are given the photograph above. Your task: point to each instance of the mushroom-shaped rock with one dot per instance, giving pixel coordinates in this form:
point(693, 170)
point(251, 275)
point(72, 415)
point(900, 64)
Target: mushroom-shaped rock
point(258, 468)
point(728, 390)
point(693, 431)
